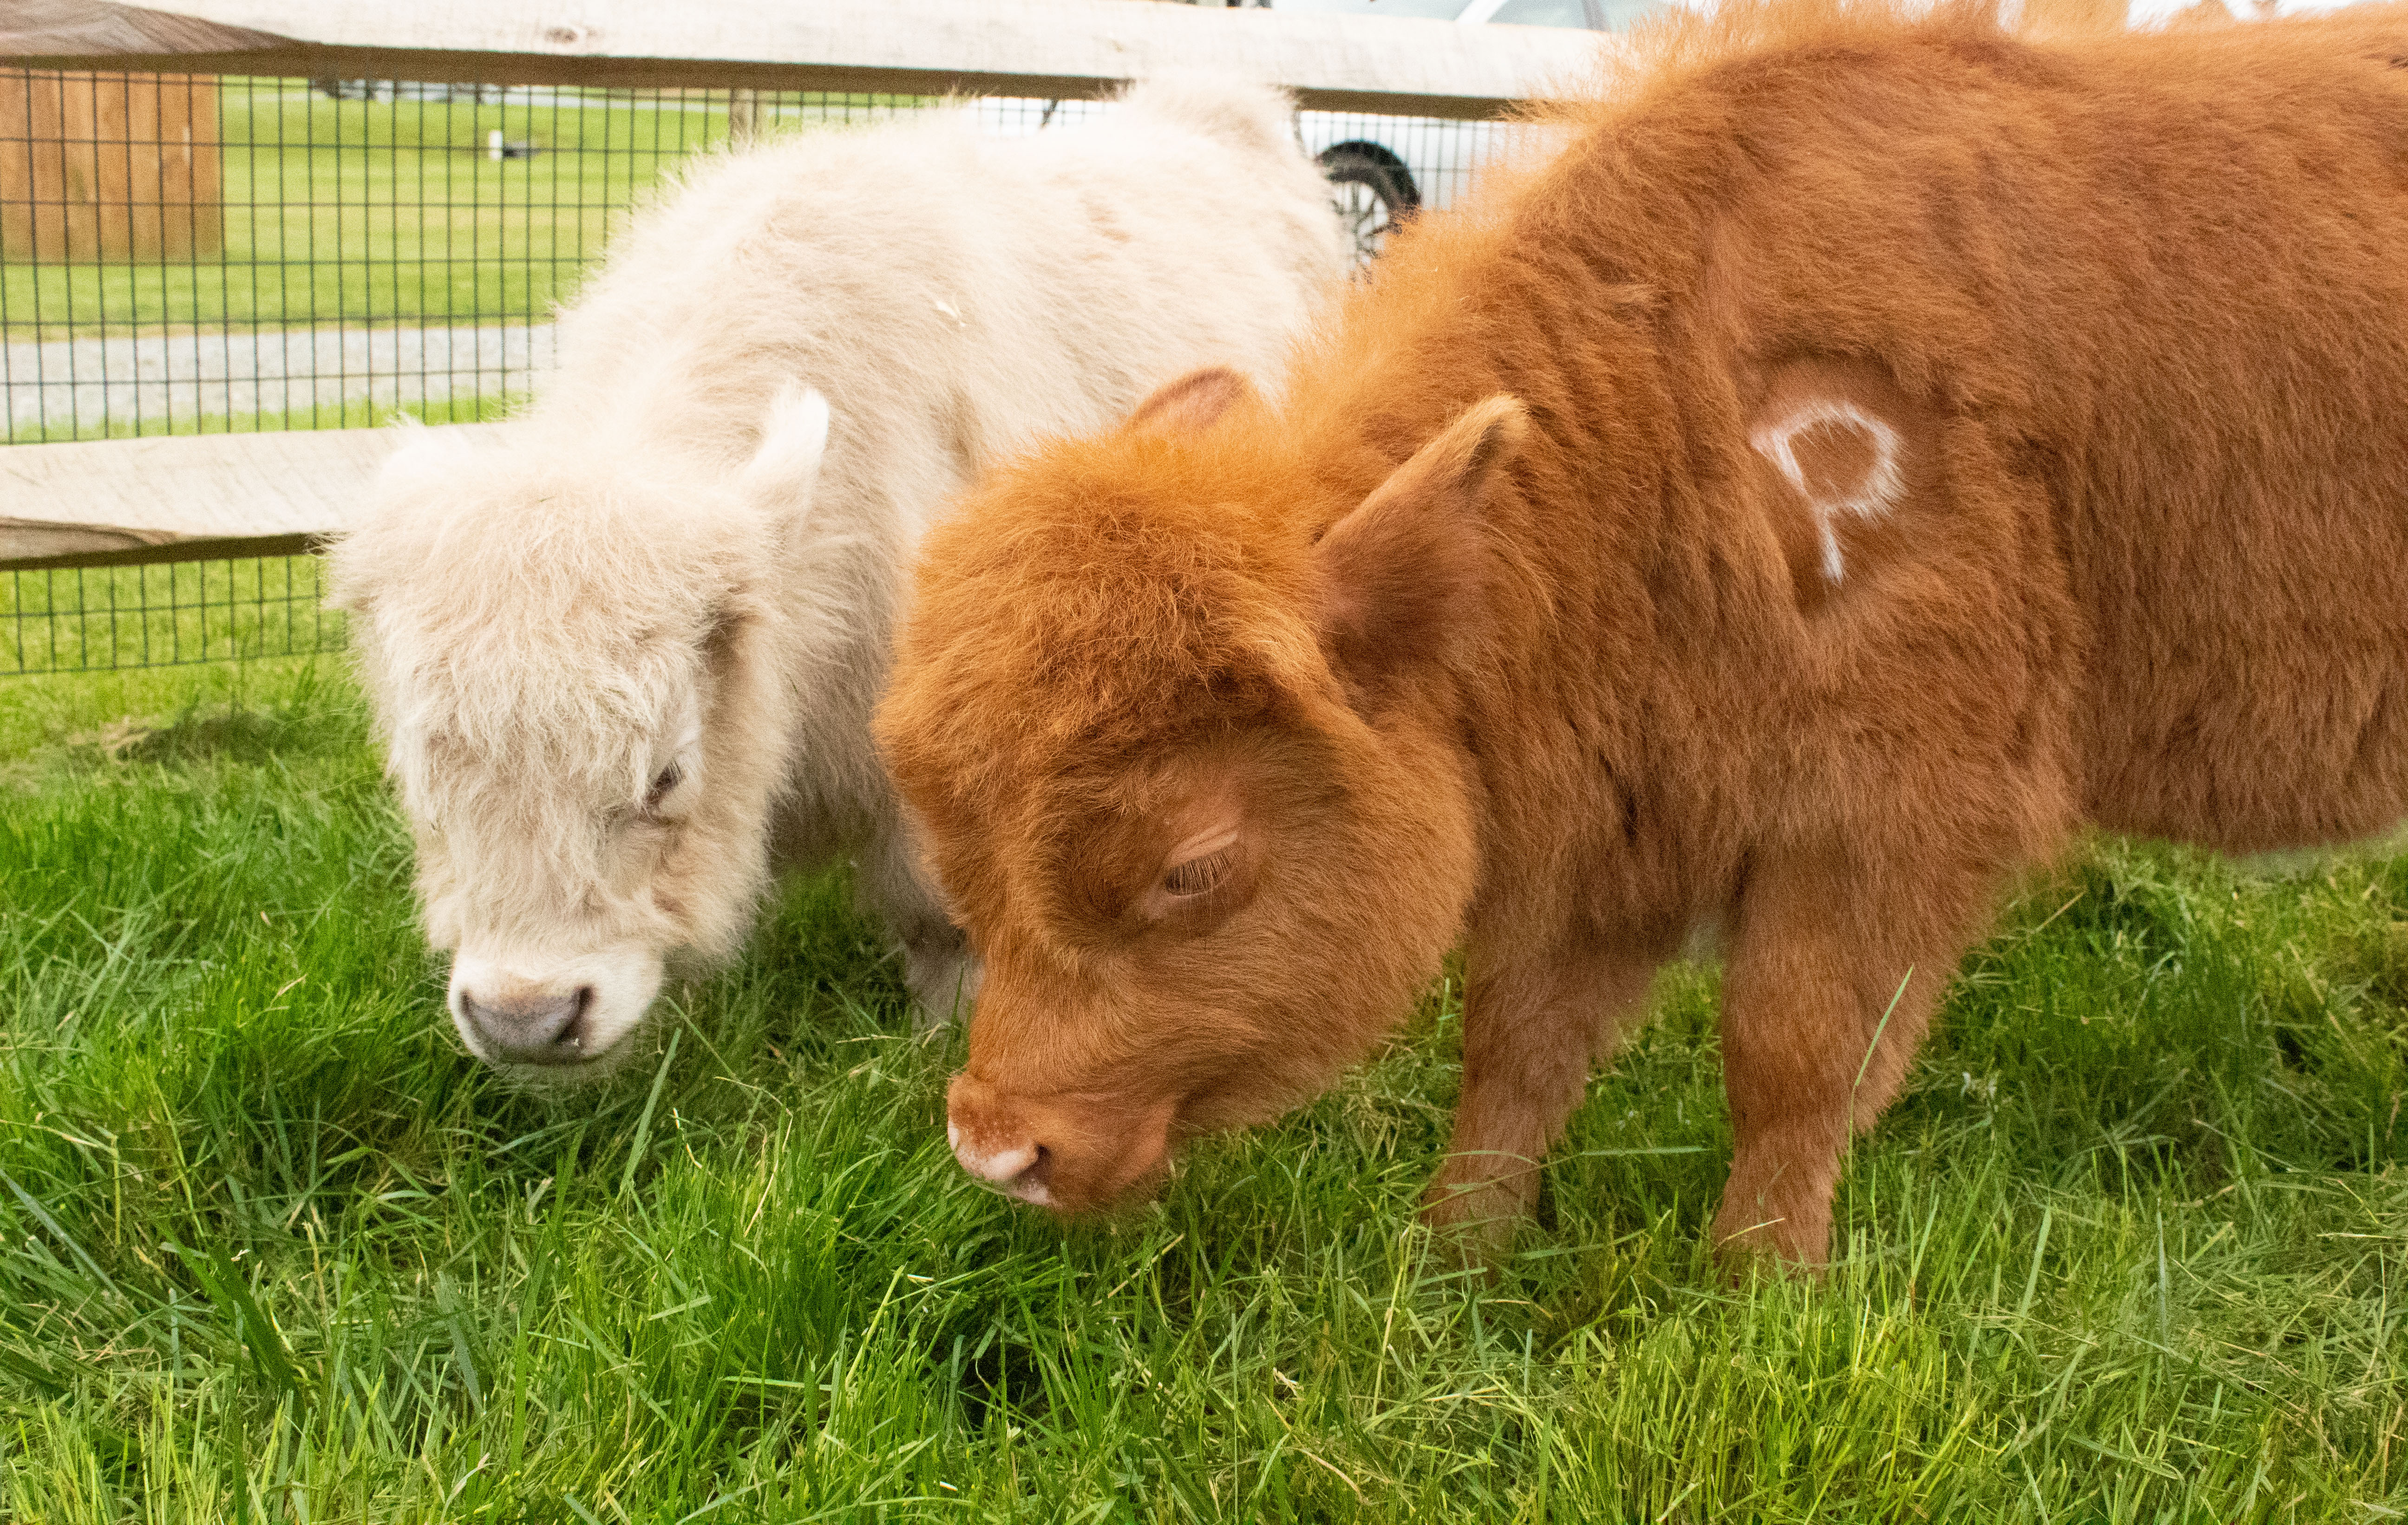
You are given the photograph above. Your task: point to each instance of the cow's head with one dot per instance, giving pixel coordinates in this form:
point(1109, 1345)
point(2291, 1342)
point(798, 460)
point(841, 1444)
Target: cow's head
point(1176, 760)
point(573, 651)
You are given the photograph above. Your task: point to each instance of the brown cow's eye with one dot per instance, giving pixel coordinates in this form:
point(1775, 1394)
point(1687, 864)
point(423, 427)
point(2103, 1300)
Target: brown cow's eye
point(1197, 876)
point(661, 786)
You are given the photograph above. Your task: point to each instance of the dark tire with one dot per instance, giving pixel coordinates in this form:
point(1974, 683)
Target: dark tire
point(1373, 195)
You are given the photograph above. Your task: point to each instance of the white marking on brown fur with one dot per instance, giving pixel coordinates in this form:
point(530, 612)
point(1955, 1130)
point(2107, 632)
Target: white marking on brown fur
point(998, 1168)
point(1202, 845)
point(1875, 495)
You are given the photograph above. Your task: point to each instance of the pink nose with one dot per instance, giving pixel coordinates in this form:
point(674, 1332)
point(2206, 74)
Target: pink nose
point(1017, 1169)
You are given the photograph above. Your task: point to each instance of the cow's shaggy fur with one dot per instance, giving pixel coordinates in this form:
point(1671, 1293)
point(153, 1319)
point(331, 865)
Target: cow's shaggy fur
point(1874, 446)
point(625, 663)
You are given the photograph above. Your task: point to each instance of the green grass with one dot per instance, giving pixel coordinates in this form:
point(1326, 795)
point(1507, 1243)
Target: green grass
point(2131, 1249)
point(356, 413)
point(367, 212)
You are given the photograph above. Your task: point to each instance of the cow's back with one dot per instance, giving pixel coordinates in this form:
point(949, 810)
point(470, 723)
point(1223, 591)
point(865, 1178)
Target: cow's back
point(2155, 288)
point(2233, 494)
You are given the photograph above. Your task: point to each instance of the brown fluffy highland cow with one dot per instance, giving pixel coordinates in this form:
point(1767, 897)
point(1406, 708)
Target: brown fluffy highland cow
point(1873, 448)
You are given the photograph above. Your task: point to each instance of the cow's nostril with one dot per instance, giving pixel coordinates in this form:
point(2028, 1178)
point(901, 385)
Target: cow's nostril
point(996, 1167)
point(537, 1030)
point(1034, 1184)
point(572, 1031)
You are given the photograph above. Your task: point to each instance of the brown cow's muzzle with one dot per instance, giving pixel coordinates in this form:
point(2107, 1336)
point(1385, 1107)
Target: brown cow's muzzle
point(1065, 1152)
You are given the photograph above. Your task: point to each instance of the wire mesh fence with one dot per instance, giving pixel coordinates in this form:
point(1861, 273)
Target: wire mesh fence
point(185, 254)
point(73, 620)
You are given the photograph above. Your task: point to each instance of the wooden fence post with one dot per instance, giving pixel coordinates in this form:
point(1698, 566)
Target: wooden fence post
point(744, 117)
point(105, 166)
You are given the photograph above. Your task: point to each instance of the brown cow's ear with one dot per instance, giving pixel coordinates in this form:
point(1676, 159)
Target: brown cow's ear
point(1401, 576)
point(1193, 401)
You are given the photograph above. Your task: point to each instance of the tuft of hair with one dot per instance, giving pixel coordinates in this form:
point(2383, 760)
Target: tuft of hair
point(2072, 18)
point(794, 438)
point(1676, 43)
point(1244, 114)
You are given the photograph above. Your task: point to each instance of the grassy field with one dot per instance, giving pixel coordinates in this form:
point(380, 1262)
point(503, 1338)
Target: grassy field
point(363, 212)
point(2131, 1248)
point(358, 413)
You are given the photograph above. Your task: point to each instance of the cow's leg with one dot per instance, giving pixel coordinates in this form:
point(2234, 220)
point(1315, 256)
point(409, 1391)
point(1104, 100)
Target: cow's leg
point(937, 968)
point(942, 975)
point(1827, 996)
point(1532, 1028)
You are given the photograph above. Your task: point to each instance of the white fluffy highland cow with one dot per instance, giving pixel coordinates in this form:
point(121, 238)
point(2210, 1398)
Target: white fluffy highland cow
point(624, 662)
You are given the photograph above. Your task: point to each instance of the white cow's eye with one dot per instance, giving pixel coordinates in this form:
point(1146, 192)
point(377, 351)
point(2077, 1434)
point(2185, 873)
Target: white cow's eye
point(668, 779)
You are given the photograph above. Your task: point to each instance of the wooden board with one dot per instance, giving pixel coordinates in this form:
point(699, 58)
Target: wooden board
point(186, 497)
point(1039, 48)
point(108, 167)
point(111, 33)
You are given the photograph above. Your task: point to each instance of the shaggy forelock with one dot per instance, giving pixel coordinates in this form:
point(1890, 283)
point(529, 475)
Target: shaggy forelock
point(1115, 608)
point(561, 643)
point(538, 626)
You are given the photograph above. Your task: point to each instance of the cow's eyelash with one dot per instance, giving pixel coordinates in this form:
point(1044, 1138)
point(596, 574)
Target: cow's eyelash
point(1198, 875)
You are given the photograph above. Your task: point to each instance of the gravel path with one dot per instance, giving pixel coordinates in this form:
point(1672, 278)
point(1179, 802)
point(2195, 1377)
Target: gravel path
point(87, 382)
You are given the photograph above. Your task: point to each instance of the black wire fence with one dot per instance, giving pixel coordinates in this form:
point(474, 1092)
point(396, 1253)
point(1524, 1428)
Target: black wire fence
point(192, 254)
point(91, 619)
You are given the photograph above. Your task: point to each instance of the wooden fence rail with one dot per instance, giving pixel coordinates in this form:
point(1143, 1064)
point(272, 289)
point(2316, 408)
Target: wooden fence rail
point(1038, 48)
point(189, 497)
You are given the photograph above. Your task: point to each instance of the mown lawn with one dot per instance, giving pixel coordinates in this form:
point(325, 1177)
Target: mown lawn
point(355, 413)
point(270, 1248)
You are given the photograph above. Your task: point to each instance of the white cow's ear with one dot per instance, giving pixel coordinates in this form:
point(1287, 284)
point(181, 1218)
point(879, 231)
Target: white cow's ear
point(425, 465)
point(794, 441)
point(422, 456)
